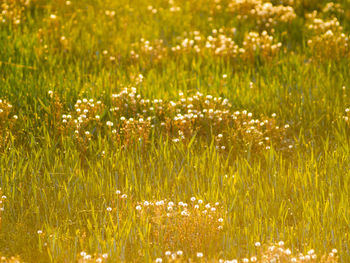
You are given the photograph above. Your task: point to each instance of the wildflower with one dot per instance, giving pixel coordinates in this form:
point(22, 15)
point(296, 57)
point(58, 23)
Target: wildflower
point(87, 257)
point(184, 213)
point(159, 260)
point(199, 254)
point(109, 123)
point(310, 252)
point(109, 209)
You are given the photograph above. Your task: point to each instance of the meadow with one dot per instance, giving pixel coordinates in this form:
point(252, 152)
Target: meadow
point(174, 131)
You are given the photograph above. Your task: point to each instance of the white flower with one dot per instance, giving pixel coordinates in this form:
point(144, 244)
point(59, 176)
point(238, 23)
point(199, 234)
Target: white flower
point(138, 207)
point(87, 257)
point(109, 209)
point(159, 260)
point(199, 254)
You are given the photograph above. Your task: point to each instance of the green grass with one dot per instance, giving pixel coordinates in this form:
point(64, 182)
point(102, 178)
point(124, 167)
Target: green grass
point(50, 184)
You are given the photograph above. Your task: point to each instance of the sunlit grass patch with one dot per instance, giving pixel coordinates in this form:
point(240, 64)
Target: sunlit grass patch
point(240, 103)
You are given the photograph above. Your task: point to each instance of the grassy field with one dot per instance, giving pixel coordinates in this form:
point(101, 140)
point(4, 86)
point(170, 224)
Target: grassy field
point(174, 131)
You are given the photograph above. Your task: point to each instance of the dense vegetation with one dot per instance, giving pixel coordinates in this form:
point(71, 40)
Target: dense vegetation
point(174, 131)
